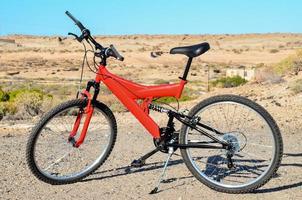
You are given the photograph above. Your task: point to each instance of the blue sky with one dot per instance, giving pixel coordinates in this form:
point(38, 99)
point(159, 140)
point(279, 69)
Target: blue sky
point(115, 17)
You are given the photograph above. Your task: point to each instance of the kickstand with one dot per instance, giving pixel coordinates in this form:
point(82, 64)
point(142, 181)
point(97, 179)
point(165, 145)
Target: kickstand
point(156, 189)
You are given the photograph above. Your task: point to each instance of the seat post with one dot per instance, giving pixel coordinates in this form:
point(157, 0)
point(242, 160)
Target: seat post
point(184, 77)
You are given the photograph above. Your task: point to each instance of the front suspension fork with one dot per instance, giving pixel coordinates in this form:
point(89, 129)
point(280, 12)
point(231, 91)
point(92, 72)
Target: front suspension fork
point(88, 111)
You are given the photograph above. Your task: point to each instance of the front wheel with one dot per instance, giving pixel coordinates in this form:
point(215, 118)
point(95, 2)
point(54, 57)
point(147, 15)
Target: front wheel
point(254, 137)
point(53, 159)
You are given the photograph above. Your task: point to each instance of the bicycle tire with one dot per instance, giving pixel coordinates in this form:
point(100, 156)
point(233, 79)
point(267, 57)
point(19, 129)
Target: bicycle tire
point(278, 151)
point(36, 131)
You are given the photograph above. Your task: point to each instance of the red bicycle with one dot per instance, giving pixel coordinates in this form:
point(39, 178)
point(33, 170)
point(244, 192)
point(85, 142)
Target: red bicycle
point(228, 142)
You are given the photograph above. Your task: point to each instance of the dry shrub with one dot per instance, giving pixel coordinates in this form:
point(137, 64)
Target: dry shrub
point(227, 82)
point(1, 113)
point(297, 66)
point(28, 105)
point(274, 51)
point(267, 75)
point(161, 81)
point(4, 96)
point(7, 109)
point(296, 86)
point(291, 64)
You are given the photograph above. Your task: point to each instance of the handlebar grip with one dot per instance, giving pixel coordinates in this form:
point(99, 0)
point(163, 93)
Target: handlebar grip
point(77, 22)
point(116, 53)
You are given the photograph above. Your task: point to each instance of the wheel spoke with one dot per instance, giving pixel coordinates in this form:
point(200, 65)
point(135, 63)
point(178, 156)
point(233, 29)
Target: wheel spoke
point(243, 125)
point(52, 142)
point(58, 160)
point(261, 145)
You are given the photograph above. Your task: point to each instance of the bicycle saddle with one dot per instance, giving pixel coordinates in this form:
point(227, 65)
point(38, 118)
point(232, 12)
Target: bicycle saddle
point(191, 51)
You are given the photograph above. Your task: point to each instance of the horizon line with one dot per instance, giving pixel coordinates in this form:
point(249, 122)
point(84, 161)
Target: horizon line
point(159, 34)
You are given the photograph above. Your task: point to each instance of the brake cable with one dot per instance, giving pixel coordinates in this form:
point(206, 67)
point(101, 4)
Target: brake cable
point(82, 70)
point(83, 64)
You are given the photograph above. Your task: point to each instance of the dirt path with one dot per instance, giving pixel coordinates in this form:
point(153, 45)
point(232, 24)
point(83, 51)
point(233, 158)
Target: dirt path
point(114, 181)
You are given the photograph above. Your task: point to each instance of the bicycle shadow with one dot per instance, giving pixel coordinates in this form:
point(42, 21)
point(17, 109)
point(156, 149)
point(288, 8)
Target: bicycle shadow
point(126, 170)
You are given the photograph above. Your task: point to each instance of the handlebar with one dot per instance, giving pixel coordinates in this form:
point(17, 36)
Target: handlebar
point(114, 53)
point(77, 22)
point(110, 51)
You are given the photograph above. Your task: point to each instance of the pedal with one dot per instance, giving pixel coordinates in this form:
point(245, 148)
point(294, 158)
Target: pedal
point(138, 163)
point(142, 160)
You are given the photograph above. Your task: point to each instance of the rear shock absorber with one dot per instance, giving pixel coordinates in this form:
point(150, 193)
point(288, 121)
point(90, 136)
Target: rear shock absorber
point(158, 108)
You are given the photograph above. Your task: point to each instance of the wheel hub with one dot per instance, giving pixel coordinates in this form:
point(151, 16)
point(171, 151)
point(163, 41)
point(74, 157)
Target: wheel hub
point(232, 140)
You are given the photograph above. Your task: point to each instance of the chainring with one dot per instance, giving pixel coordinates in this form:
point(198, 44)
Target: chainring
point(167, 135)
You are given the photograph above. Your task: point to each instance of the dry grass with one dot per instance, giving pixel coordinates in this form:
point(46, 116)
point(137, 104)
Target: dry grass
point(296, 86)
point(291, 64)
point(267, 75)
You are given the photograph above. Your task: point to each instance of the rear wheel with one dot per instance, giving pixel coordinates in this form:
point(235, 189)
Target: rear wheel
point(253, 134)
point(53, 159)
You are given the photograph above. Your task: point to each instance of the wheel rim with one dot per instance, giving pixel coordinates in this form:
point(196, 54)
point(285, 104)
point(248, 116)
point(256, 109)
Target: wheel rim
point(249, 167)
point(57, 159)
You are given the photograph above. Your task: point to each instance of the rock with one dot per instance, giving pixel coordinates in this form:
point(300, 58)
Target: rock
point(71, 69)
point(13, 73)
point(276, 103)
point(8, 135)
point(270, 97)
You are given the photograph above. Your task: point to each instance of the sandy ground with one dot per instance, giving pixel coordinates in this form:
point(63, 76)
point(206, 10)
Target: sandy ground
point(113, 181)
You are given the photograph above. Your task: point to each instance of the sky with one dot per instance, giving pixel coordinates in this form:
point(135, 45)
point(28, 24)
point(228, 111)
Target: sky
point(122, 17)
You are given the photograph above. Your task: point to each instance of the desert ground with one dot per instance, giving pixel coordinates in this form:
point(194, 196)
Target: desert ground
point(54, 62)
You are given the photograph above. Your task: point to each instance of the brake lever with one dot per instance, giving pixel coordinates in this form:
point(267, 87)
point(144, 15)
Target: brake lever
point(79, 39)
point(76, 37)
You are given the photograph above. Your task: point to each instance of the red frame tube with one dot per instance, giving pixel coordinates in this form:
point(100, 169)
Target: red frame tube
point(129, 92)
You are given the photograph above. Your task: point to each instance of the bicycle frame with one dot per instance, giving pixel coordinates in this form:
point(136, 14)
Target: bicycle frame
point(129, 92)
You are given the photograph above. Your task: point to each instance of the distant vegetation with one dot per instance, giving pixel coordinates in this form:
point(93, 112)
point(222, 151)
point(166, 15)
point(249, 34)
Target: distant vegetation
point(161, 81)
point(227, 82)
point(267, 75)
point(274, 51)
point(296, 86)
point(22, 103)
point(290, 64)
point(187, 95)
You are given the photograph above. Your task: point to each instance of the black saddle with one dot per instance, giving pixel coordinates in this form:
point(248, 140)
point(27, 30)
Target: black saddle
point(191, 51)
